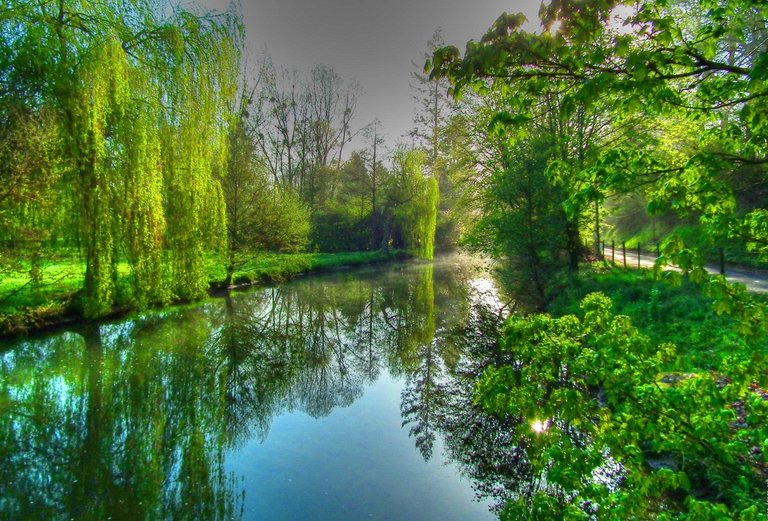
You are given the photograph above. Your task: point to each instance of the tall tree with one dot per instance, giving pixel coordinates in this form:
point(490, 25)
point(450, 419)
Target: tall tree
point(134, 88)
point(656, 58)
point(433, 131)
point(375, 141)
point(241, 183)
point(304, 124)
point(410, 209)
point(430, 95)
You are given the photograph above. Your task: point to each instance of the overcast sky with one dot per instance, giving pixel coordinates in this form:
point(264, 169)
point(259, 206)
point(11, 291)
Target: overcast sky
point(372, 41)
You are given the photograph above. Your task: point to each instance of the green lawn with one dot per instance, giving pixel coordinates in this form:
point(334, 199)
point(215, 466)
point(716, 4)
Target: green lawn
point(280, 266)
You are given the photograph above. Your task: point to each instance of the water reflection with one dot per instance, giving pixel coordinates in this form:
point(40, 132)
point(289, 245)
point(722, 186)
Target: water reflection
point(97, 425)
point(484, 446)
point(134, 419)
point(137, 419)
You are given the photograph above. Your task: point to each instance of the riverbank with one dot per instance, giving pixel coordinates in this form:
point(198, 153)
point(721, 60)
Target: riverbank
point(666, 379)
point(681, 314)
point(53, 302)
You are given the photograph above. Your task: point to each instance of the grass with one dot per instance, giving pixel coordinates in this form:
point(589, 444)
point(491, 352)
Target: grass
point(275, 267)
point(24, 307)
point(665, 313)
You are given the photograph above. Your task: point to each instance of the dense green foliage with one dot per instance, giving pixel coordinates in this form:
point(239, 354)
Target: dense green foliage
point(413, 201)
point(523, 220)
point(130, 134)
point(682, 314)
point(598, 387)
point(679, 101)
point(654, 106)
point(133, 99)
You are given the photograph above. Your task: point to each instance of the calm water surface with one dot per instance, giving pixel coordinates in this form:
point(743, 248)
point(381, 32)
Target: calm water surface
point(342, 396)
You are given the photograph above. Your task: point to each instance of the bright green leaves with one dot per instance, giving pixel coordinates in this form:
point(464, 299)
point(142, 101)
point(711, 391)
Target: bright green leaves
point(505, 25)
point(590, 391)
point(121, 78)
point(665, 62)
point(759, 70)
point(103, 104)
point(622, 44)
point(755, 117)
point(553, 381)
point(146, 224)
point(416, 199)
point(680, 93)
point(501, 120)
point(754, 225)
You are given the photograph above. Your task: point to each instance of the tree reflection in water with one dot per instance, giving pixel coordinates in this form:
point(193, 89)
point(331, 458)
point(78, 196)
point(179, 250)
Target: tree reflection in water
point(133, 419)
point(113, 422)
point(438, 396)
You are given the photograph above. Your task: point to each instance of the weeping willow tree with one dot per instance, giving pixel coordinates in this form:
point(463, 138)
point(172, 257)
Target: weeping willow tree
point(195, 148)
point(100, 107)
point(416, 198)
point(426, 221)
point(141, 91)
point(145, 212)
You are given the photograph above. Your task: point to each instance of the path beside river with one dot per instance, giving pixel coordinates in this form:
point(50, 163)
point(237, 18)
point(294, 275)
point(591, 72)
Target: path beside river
point(754, 279)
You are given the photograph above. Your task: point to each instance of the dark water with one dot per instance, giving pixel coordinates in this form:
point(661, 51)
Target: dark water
point(344, 396)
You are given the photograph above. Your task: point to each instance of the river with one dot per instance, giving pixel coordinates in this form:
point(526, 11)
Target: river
point(342, 396)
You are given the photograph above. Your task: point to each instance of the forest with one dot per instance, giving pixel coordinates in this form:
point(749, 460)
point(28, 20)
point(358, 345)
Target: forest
point(143, 163)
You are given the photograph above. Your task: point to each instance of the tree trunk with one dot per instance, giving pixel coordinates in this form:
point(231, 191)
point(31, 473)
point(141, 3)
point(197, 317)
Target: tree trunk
point(598, 251)
point(574, 244)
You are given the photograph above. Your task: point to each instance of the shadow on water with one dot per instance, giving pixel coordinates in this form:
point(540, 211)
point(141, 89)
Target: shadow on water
point(135, 419)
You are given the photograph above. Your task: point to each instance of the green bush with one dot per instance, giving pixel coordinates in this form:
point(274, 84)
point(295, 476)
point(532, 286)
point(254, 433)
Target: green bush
point(590, 393)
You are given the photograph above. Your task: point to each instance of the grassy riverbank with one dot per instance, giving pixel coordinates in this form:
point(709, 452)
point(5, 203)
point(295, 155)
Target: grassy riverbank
point(649, 373)
point(26, 307)
point(682, 315)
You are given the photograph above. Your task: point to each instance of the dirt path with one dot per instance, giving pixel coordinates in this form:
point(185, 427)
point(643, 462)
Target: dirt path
point(754, 279)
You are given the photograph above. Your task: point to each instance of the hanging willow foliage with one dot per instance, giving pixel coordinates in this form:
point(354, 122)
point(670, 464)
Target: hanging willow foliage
point(417, 210)
point(143, 90)
point(104, 94)
point(145, 214)
point(196, 144)
point(426, 217)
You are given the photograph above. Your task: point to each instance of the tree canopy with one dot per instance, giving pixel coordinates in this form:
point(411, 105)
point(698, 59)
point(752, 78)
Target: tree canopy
point(702, 62)
point(661, 100)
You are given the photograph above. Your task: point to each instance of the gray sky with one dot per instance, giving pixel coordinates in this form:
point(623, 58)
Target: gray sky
point(372, 41)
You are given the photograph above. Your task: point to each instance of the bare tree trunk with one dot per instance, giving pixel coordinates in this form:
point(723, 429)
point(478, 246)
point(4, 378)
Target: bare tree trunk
point(598, 251)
